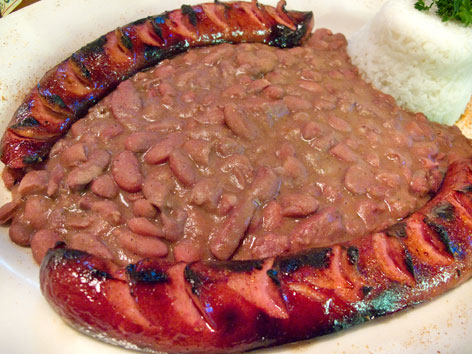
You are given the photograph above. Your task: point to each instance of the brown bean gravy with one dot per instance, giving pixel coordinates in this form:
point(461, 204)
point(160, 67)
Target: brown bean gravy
point(233, 151)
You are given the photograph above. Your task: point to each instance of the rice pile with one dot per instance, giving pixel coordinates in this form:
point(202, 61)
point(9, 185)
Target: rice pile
point(424, 63)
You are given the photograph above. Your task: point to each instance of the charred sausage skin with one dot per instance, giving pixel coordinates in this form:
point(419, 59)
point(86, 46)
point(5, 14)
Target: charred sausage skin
point(241, 305)
point(66, 92)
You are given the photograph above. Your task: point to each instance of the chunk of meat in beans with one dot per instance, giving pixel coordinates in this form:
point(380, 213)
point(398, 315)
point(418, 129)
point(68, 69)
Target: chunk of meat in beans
point(232, 152)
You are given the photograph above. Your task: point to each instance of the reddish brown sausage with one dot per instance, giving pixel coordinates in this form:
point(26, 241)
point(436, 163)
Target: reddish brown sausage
point(240, 305)
point(66, 91)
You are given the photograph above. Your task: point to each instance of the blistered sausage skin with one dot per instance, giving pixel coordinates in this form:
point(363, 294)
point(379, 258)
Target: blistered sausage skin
point(240, 305)
point(66, 92)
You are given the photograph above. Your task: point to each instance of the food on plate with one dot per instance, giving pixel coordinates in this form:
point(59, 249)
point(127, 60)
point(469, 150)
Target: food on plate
point(66, 91)
point(240, 305)
point(234, 152)
point(426, 64)
point(237, 197)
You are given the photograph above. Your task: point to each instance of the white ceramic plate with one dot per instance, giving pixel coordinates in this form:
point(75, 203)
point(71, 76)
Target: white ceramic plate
point(38, 37)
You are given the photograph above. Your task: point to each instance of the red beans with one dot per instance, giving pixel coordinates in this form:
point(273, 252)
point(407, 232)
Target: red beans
point(339, 124)
point(225, 241)
point(20, 233)
point(11, 176)
point(298, 205)
point(144, 227)
point(318, 230)
point(212, 116)
point(41, 242)
point(206, 192)
point(173, 224)
point(270, 245)
point(198, 150)
point(343, 152)
point(144, 208)
point(238, 169)
point(125, 104)
point(104, 186)
point(272, 216)
point(233, 152)
point(89, 243)
point(108, 211)
point(74, 155)
point(239, 124)
point(160, 151)
point(265, 186)
point(37, 210)
point(358, 178)
point(155, 190)
point(57, 174)
point(33, 182)
point(88, 171)
point(126, 171)
point(183, 168)
point(141, 245)
point(187, 251)
point(311, 130)
point(294, 168)
point(311, 86)
point(295, 103)
point(141, 141)
point(7, 211)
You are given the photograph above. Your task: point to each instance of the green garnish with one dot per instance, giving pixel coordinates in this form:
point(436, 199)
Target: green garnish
point(460, 10)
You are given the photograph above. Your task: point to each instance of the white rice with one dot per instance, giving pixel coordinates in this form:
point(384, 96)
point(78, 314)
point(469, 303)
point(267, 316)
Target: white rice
point(424, 63)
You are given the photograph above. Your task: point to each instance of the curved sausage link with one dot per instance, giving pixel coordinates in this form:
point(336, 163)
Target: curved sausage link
point(66, 92)
point(241, 305)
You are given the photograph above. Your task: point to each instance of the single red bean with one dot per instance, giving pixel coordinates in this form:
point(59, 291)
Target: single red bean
point(239, 124)
point(161, 150)
point(199, 150)
point(104, 186)
point(228, 236)
point(298, 205)
point(144, 227)
point(141, 141)
point(206, 192)
point(144, 208)
point(156, 191)
point(271, 216)
point(7, 211)
point(265, 186)
point(126, 171)
point(142, 245)
point(183, 168)
point(74, 155)
point(343, 152)
point(89, 243)
point(270, 245)
point(187, 250)
point(11, 176)
point(107, 210)
point(34, 182)
point(57, 174)
point(41, 242)
point(36, 211)
point(174, 224)
point(20, 233)
point(358, 179)
point(78, 220)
